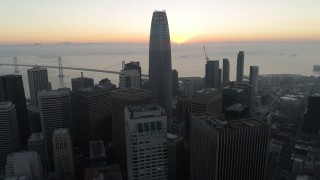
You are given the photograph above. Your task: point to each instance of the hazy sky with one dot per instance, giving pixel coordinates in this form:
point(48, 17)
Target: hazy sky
point(53, 21)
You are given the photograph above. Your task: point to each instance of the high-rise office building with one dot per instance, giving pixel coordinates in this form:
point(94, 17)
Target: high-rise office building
point(55, 112)
point(240, 66)
point(188, 88)
point(120, 99)
point(176, 157)
point(254, 74)
point(36, 143)
point(94, 115)
point(183, 113)
point(240, 93)
point(225, 72)
point(311, 122)
point(11, 89)
point(107, 83)
point(207, 100)
point(228, 150)
point(130, 76)
point(146, 142)
point(160, 75)
point(175, 82)
point(63, 153)
point(38, 81)
point(9, 134)
point(212, 74)
point(81, 82)
point(25, 163)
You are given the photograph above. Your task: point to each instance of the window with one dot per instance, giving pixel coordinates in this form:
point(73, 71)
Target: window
point(140, 127)
point(158, 125)
point(146, 127)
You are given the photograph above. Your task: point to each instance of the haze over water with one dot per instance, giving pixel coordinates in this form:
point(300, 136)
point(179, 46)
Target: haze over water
point(188, 59)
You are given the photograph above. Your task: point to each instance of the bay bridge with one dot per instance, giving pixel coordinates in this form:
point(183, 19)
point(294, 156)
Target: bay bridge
point(60, 67)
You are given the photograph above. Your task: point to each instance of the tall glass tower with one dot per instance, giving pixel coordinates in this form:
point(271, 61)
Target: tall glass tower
point(160, 76)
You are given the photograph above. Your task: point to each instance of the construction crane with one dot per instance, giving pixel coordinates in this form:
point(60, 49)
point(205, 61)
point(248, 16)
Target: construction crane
point(205, 53)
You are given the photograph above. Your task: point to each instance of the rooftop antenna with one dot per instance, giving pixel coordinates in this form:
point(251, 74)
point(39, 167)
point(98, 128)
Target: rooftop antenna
point(205, 53)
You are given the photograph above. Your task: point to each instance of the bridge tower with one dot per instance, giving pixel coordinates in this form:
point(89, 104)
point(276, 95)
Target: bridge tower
point(16, 70)
point(60, 73)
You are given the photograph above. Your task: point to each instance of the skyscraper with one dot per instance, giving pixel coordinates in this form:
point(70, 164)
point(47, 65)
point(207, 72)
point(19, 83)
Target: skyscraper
point(226, 72)
point(120, 99)
point(38, 81)
point(25, 163)
point(176, 157)
point(55, 112)
point(175, 83)
point(212, 74)
point(130, 76)
point(94, 114)
point(228, 150)
point(311, 122)
point(11, 89)
point(254, 74)
point(63, 153)
point(36, 143)
point(160, 75)
point(146, 142)
point(81, 82)
point(240, 66)
point(9, 134)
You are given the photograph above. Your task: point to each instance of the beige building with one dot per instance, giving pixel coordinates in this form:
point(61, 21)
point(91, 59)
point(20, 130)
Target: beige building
point(207, 100)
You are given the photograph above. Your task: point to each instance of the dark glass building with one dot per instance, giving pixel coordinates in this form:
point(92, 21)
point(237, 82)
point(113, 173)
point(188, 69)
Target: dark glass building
point(240, 66)
point(11, 89)
point(175, 83)
point(160, 75)
point(226, 72)
point(212, 74)
point(311, 122)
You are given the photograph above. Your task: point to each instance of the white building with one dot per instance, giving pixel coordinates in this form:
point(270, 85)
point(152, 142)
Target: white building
point(130, 76)
point(62, 152)
point(146, 142)
point(25, 163)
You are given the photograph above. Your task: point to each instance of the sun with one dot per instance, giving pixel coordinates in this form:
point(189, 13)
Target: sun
point(179, 38)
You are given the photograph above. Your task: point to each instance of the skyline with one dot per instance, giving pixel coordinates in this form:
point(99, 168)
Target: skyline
point(125, 21)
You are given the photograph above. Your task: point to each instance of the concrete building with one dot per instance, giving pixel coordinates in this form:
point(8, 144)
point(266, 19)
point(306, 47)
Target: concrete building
point(232, 95)
point(183, 113)
point(120, 99)
point(34, 119)
point(81, 82)
point(36, 143)
point(25, 163)
point(176, 157)
point(11, 89)
point(93, 115)
point(98, 156)
point(146, 142)
point(62, 152)
point(160, 75)
point(240, 66)
point(212, 74)
point(236, 111)
point(226, 72)
point(175, 82)
point(55, 112)
point(207, 100)
point(254, 75)
point(38, 81)
point(130, 76)
point(107, 83)
point(9, 133)
point(228, 150)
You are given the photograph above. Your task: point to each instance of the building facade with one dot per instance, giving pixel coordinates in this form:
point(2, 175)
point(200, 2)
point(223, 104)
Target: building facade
point(81, 82)
point(130, 76)
point(240, 66)
point(9, 133)
point(207, 100)
point(38, 81)
point(175, 82)
point(11, 89)
point(228, 150)
point(254, 75)
point(120, 99)
point(36, 143)
point(55, 112)
point(146, 142)
point(212, 74)
point(160, 75)
point(63, 153)
point(225, 72)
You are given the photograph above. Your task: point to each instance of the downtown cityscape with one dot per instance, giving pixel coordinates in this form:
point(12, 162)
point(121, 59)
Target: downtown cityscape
point(167, 117)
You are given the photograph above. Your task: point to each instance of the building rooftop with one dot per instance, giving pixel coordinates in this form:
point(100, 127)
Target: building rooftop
point(237, 107)
point(316, 95)
point(145, 110)
point(261, 109)
point(92, 88)
point(218, 124)
point(36, 68)
point(35, 137)
point(97, 149)
point(61, 131)
point(130, 91)
point(22, 154)
point(5, 104)
point(207, 90)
